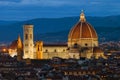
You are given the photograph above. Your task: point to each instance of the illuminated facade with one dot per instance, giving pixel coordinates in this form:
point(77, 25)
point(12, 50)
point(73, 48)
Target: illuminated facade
point(28, 42)
point(55, 50)
point(13, 48)
point(16, 48)
point(48, 51)
point(82, 42)
point(82, 39)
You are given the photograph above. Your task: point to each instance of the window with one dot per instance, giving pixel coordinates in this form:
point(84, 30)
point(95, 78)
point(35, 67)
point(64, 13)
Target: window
point(75, 45)
point(86, 44)
point(26, 51)
point(38, 48)
point(41, 48)
point(26, 44)
point(63, 50)
point(30, 44)
point(30, 36)
point(26, 36)
point(68, 48)
point(73, 56)
point(55, 50)
point(46, 50)
point(94, 44)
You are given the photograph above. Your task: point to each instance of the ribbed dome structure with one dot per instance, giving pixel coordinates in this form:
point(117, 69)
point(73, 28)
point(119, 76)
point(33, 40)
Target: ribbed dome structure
point(83, 40)
point(82, 34)
point(82, 30)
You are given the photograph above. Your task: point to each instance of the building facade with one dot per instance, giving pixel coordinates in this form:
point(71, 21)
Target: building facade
point(28, 42)
point(82, 39)
point(48, 51)
point(39, 50)
point(82, 42)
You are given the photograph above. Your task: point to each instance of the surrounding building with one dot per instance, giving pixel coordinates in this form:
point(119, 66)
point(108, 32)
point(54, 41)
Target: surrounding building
point(55, 50)
point(16, 48)
point(12, 50)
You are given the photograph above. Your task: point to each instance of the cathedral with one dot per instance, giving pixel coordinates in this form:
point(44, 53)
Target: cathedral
point(82, 43)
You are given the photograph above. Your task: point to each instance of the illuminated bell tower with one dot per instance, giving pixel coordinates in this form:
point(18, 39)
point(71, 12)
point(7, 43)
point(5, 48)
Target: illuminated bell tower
point(28, 41)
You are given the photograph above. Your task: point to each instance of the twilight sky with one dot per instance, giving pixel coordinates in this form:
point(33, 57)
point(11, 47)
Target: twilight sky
point(30, 9)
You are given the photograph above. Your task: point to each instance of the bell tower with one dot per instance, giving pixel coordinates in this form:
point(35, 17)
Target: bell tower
point(28, 41)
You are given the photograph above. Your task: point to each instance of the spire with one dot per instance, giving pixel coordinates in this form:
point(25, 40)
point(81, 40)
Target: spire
point(19, 49)
point(19, 42)
point(82, 16)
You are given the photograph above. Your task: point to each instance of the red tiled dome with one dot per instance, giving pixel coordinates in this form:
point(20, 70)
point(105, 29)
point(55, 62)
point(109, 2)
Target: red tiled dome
point(13, 45)
point(82, 30)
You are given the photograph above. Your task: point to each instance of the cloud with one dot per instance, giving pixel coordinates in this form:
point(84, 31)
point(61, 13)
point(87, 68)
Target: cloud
point(56, 2)
point(10, 1)
point(42, 2)
point(28, 9)
point(94, 3)
point(61, 3)
point(32, 2)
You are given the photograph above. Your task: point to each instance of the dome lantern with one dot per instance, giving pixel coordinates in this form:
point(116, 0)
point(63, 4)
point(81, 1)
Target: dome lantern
point(82, 17)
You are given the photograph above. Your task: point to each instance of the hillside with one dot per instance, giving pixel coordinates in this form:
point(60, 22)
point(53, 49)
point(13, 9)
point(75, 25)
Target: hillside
point(56, 29)
point(104, 33)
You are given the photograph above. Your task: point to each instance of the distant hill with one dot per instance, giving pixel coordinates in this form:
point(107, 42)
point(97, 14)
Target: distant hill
point(104, 33)
point(56, 29)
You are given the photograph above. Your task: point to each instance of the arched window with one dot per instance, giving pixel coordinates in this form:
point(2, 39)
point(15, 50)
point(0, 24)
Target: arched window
point(26, 36)
point(75, 45)
point(73, 56)
point(38, 48)
point(63, 50)
point(55, 50)
point(46, 50)
point(26, 44)
point(94, 44)
point(30, 36)
point(68, 48)
point(86, 44)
